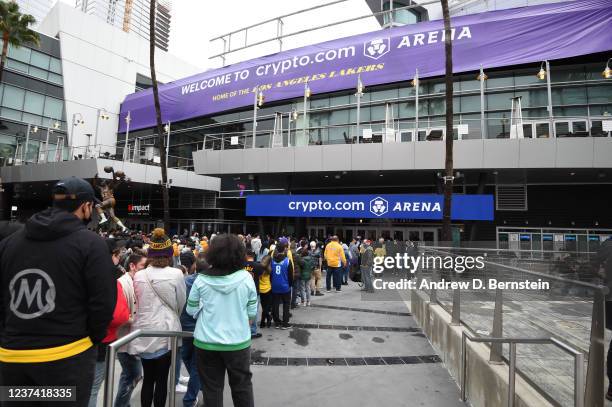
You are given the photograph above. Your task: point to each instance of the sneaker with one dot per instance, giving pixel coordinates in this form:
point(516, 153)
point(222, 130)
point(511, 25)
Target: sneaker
point(262, 324)
point(609, 395)
point(184, 380)
point(277, 326)
point(328, 291)
point(180, 388)
point(286, 326)
point(319, 293)
point(338, 290)
point(257, 335)
point(312, 292)
point(269, 324)
point(308, 303)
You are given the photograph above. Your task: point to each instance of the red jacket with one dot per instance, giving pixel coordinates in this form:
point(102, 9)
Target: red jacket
point(121, 315)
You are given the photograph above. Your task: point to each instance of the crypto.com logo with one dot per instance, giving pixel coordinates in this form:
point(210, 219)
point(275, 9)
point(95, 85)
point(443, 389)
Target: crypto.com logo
point(376, 48)
point(379, 206)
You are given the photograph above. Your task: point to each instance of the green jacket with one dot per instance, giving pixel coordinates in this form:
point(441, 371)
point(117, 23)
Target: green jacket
point(307, 268)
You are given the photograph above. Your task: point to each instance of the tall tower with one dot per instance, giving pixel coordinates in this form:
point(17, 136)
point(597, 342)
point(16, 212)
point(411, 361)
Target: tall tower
point(132, 16)
point(37, 8)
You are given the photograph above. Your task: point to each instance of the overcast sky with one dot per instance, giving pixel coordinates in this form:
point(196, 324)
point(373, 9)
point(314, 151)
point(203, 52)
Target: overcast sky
point(195, 22)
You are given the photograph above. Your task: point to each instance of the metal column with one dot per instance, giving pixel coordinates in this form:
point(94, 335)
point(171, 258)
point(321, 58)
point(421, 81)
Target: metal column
point(128, 119)
point(483, 122)
point(416, 105)
point(550, 108)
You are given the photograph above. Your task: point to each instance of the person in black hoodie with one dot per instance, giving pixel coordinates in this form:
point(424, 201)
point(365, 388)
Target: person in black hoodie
point(57, 302)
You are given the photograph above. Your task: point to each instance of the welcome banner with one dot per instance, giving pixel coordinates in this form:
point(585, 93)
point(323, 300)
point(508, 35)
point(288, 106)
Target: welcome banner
point(493, 39)
point(392, 206)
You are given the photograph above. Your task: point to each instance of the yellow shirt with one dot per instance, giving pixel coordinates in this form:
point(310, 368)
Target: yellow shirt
point(334, 254)
point(264, 283)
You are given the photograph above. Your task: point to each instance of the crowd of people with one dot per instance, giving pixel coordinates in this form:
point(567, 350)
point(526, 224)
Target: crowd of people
point(80, 290)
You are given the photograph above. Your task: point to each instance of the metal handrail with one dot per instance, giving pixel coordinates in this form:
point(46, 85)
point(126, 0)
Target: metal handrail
point(109, 381)
point(578, 363)
point(594, 382)
point(602, 288)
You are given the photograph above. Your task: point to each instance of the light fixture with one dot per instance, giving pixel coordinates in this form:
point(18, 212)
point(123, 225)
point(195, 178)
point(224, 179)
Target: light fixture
point(56, 125)
point(549, 223)
point(35, 129)
point(596, 223)
point(166, 128)
point(307, 91)
point(572, 173)
point(414, 82)
point(294, 115)
point(380, 175)
point(607, 73)
point(482, 76)
point(542, 74)
point(260, 99)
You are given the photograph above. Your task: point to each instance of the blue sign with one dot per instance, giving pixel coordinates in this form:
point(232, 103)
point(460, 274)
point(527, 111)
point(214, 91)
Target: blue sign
point(400, 206)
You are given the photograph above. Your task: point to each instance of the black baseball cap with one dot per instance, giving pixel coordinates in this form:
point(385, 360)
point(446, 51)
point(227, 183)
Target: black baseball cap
point(74, 189)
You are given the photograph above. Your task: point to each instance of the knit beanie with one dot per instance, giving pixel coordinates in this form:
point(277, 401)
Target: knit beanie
point(160, 245)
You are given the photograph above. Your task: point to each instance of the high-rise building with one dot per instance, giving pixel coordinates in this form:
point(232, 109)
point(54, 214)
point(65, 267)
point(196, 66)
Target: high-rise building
point(132, 16)
point(38, 8)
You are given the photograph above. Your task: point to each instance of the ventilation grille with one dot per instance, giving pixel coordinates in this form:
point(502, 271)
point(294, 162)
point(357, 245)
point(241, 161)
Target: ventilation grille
point(511, 197)
point(197, 200)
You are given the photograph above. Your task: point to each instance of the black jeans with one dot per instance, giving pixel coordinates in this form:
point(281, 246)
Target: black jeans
point(212, 366)
point(155, 381)
point(276, 301)
point(77, 370)
point(266, 306)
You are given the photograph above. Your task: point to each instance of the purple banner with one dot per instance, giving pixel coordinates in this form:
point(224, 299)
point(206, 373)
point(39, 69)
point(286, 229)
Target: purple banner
point(493, 39)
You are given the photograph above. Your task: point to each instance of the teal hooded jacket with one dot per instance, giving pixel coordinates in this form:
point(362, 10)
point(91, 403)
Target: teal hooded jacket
point(223, 306)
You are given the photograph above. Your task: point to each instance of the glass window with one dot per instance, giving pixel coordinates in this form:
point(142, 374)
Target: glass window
point(53, 108)
point(437, 86)
point(55, 78)
point(319, 103)
point(469, 83)
point(498, 101)
point(527, 77)
point(55, 65)
point(533, 97)
point(473, 122)
point(569, 96)
point(384, 94)
point(377, 112)
point(19, 54)
point(13, 97)
point(407, 91)
point(542, 130)
point(364, 115)
point(339, 135)
point(319, 119)
point(572, 73)
point(437, 106)
point(40, 60)
point(32, 119)
point(562, 129)
point(498, 127)
point(600, 94)
point(570, 111)
point(339, 117)
point(339, 100)
point(470, 103)
point(34, 103)
point(600, 110)
point(38, 73)
point(10, 114)
point(597, 129)
point(527, 131)
point(579, 128)
point(499, 80)
point(406, 109)
point(16, 65)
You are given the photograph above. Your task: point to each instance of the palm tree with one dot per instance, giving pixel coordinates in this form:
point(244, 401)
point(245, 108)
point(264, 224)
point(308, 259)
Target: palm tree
point(15, 30)
point(160, 134)
point(448, 179)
